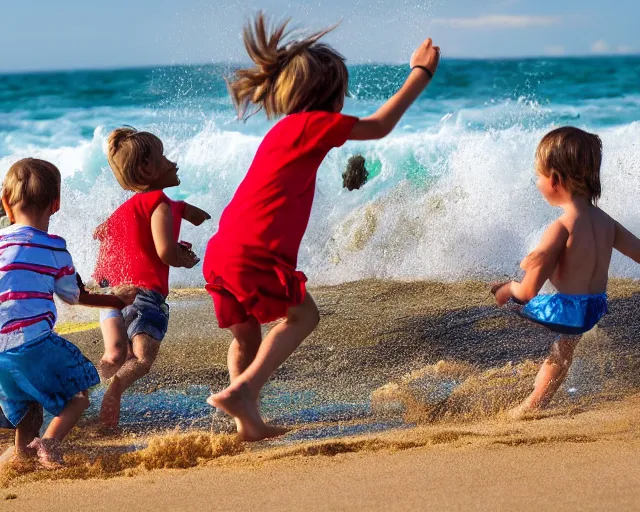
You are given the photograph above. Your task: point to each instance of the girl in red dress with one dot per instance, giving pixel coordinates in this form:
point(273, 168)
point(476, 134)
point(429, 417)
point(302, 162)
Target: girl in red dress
point(250, 264)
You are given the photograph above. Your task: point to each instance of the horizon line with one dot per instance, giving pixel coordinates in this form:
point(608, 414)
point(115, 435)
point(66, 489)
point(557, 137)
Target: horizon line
point(4, 72)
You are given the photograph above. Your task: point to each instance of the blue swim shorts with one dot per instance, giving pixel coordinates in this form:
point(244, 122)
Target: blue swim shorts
point(149, 314)
point(49, 370)
point(566, 314)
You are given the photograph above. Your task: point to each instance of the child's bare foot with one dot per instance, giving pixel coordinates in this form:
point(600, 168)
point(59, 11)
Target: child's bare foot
point(25, 453)
point(267, 432)
point(110, 409)
point(48, 451)
point(239, 403)
point(520, 412)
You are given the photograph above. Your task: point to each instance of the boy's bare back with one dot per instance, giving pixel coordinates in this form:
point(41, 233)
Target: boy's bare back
point(583, 265)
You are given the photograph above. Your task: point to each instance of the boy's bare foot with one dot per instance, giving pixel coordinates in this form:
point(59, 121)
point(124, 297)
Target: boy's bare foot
point(520, 412)
point(110, 409)
point(49, 452)
point(237, 402)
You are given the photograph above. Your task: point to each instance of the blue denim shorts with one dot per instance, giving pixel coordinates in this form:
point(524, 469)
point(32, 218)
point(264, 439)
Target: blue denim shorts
point(49, 370)
point(149, 314)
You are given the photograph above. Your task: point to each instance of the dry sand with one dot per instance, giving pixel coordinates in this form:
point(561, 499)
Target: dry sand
point(585, 462)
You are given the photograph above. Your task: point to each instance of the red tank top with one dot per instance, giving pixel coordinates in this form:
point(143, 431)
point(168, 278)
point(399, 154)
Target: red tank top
point(127, 253)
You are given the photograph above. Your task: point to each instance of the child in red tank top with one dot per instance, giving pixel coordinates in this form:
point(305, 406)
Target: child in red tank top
point(251, 262)
point(138, 244)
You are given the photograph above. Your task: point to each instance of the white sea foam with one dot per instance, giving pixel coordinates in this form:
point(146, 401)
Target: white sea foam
point(445, 201)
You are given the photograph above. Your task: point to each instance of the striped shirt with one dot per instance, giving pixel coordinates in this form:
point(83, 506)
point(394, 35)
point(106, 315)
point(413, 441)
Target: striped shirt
point(34, 266)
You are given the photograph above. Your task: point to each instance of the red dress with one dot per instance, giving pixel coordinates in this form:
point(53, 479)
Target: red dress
point(127, 253)
point(250, 263)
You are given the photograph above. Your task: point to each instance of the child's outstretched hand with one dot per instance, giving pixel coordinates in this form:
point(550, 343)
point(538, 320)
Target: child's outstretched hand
point(502, 292)
point(426, 55)
point(194, 215)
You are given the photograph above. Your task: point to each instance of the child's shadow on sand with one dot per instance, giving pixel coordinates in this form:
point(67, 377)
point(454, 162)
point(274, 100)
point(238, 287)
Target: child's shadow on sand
point(487, 337)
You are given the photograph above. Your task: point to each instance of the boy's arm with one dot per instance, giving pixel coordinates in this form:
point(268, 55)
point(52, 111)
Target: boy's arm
point(384, 120)
point(626, 242)
point(96, 300)
point(194, 215)
point(170, 252)
point(539, 266)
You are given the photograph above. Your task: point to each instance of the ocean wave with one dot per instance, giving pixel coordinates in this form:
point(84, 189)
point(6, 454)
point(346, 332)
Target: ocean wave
point(447, 204)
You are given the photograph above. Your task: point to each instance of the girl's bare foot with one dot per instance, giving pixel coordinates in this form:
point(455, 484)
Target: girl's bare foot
point(110, 409)
point(49, 452)
point(238, 402)
point(267, 432)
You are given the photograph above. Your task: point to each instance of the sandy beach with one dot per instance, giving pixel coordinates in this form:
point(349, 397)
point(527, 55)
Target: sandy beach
point(585, 462)
point(395, 403)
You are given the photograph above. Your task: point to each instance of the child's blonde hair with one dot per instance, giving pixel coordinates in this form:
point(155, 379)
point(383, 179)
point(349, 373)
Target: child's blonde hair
point(575, 157)
point(130, 154)
point(32, 183)
point(289, 77)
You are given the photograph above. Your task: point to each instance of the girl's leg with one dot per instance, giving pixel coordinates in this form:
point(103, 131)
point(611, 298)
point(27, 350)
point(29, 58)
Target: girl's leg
point(240, 398)
point(244, 347)
point(552, 374)
point(145, 349)
point(116, 344)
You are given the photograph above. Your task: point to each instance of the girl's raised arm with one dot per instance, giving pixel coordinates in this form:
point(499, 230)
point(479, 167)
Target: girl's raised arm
point(424, 63)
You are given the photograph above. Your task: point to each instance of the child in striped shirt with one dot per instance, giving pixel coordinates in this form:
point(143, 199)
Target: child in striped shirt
point(36, 365)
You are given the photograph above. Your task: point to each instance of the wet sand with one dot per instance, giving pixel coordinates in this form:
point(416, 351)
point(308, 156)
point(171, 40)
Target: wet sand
point(424, 370)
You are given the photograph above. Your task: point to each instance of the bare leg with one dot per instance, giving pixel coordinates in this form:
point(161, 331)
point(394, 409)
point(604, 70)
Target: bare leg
point(244, 347)
point(27, 430)
point(116, 346)
point(240, 398)
point(552, 374)
point(48, 448)
point(242, 351)
point(145, 349)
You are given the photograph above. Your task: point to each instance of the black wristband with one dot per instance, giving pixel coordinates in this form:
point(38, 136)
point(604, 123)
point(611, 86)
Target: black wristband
point(425, 69)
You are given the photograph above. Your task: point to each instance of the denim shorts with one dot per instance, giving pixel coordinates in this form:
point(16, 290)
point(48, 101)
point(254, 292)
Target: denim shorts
point(149, 314)
point(49, 370)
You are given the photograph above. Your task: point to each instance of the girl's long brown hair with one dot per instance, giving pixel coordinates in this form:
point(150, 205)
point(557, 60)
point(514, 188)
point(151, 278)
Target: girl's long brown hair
point(288, 76)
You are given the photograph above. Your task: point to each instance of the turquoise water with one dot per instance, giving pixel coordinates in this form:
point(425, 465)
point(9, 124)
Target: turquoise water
point(451, 191)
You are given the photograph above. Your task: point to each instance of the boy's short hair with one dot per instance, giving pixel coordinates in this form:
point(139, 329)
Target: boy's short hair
point(32, 183)
point(129, 154)
point(575, 156)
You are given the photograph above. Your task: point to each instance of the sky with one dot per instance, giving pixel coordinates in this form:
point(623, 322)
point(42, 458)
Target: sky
point(78, 34)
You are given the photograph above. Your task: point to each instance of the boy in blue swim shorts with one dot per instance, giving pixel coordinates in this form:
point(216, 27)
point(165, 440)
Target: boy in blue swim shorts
point(36, 365)
point(574, 254)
